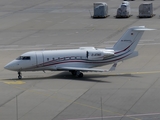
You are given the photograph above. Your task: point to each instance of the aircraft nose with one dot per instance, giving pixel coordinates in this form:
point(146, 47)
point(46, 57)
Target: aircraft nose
point(10, 66)
point(6, 66)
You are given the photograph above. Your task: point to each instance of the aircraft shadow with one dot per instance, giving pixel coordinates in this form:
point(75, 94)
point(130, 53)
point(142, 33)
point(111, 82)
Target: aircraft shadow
point(87, 77)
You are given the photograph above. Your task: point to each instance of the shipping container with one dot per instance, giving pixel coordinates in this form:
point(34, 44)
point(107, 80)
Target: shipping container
point(100, 10)
point(124, 10)
point(146, 10)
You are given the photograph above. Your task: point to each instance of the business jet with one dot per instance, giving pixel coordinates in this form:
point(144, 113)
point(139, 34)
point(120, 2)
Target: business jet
point(84, 59)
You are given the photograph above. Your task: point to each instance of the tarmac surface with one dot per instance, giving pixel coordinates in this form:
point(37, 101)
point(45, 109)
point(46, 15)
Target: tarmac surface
point(131, 92)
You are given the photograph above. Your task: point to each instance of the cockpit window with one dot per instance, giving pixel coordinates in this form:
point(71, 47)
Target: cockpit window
point(23, 58)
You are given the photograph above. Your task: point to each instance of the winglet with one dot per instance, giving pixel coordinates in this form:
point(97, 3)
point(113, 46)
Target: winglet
point(113, 67)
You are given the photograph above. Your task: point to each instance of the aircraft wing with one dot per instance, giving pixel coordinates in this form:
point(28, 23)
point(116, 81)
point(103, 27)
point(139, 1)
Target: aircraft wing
point(87, 69)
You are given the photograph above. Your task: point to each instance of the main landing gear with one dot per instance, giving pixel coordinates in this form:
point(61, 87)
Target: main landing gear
point(76, 73)
point(19, 75)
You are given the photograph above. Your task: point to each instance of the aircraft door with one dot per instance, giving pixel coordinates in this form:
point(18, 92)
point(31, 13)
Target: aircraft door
point(39, 58)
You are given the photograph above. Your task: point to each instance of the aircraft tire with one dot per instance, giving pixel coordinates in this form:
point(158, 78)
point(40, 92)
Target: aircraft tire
point(19, 77)
point(74, 72)
point(80, 75)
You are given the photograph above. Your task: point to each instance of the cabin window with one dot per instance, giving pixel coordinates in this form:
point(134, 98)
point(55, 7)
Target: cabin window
point(67, 58)
point(72, 58)
point(61, 58)
point(78, 57)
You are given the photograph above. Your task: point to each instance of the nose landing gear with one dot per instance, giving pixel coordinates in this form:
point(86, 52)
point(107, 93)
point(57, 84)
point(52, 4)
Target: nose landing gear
point(19, 75)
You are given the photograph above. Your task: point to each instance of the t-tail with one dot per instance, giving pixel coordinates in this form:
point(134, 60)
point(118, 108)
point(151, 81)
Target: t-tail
point(125, 46)
point(130, 39)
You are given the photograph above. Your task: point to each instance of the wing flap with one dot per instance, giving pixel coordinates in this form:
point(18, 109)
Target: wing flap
point(87, 69)
point(82, 69)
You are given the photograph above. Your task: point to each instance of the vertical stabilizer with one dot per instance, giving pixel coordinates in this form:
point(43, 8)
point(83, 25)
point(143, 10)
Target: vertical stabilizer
point(130, 38)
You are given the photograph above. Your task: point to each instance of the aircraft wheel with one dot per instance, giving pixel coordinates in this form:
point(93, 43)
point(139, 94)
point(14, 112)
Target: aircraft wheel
point(74, 73)
point(80, 75)
point(19, 75)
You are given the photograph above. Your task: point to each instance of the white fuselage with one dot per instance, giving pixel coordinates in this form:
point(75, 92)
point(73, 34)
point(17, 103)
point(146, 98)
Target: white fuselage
point(53, 59)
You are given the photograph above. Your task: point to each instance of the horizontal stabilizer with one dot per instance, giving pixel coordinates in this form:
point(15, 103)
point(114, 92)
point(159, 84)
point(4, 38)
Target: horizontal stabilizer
point(143, 29)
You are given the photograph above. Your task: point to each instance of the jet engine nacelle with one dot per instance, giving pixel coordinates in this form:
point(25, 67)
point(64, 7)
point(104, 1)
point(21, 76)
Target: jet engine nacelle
point(98, 55)
point(108, 53)
point(95, 55)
